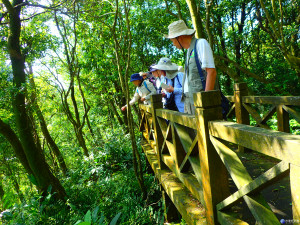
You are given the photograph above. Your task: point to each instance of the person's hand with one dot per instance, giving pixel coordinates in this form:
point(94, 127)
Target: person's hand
point(169, 89)
point(143, 99)
point(163, 94)
point(123, 108)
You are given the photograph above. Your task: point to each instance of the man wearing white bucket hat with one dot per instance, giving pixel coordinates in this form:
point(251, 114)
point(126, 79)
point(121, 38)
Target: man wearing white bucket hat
point(183, 38)
point(173, 86)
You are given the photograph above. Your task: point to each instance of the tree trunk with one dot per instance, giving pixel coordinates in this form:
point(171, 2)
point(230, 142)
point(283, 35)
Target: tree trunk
point(196, 18)
point(124, 84)
point(13, 139)
point(74, 71)
point(44, 128)
point(41, 172)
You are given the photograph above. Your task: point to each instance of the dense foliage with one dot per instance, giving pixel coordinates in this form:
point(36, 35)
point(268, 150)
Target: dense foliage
point(64, 68)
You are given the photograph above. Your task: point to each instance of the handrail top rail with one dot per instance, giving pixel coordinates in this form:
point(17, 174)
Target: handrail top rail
point(184, 119)
point(145, 107)
point(274, 100)
point(280, 145)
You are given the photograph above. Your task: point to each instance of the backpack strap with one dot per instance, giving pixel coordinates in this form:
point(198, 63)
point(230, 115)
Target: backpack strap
point(146, 86)
point(178, 80)
point(199, 66)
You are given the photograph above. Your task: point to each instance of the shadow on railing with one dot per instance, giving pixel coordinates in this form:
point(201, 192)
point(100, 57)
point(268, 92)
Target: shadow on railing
point(177, 138)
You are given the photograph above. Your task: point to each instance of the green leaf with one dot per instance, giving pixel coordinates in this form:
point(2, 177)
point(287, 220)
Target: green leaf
point(85, 223)
point(88, 217)
point(95, 214)
point(115, 219)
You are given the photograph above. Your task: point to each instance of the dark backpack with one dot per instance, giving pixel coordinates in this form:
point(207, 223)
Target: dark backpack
point(224, 101)
point(170, 102)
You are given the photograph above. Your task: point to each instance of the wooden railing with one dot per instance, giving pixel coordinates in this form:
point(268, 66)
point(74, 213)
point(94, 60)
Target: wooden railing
point(176, 139)
point(282, 105)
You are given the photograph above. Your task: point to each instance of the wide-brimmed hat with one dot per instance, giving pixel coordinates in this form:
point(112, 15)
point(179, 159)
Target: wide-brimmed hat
point(135, 76)
point(177, 29)
point(151, 69)
point(166, 65)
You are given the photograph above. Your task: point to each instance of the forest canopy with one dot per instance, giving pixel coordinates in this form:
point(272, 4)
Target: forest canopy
point(64, 76)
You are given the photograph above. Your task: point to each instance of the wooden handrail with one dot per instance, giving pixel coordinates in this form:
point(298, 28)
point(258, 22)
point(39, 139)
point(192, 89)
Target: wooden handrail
point(209, 157)
point(273, 100)
point(276, 144)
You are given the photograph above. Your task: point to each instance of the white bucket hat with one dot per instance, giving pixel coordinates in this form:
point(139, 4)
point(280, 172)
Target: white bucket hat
point(178, 28)
point(166, 65)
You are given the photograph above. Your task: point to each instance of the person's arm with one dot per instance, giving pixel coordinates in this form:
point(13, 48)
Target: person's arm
point(178, 84)
point(210, 79)
point(207, 62)
point(133, 100)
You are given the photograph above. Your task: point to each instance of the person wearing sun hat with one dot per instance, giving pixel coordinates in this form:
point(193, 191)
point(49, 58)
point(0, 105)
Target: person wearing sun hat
point(144, 89)
point(173, 76)
point(183, 38)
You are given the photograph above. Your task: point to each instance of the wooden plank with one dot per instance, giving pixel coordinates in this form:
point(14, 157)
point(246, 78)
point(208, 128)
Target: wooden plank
point(180, 152)
point(227, 219)
point(276, 144)
point(295, 191)
point(163, 126)
point(190, 208)
point(234, 165)
point(142, 125)
point(256, 203)
point(255, 116)
point(230, 98)
point(283, 120)
point(261, 210)
point(185, 164)
point(146, 108)
point(231, 111)
point(292, 112)
point(188, 179)
point(269, 177)
point(177, 117)
point(273, 100)
point(172, 149)
point(268, 115)
point(184, 136)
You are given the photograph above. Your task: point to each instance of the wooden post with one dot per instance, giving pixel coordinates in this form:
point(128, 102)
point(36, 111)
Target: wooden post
point(283, 118)
point(213, 171)
point(156, 103)
point(295, 191)
point(242, 115)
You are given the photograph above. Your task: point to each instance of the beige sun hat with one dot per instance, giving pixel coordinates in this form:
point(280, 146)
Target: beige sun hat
point(178, 28)
point(166, 65)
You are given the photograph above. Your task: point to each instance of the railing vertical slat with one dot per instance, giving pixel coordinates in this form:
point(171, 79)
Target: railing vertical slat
point(242, 115)
point(156, 103)
point(295, 191)
point(283, 119)
point(213, 171)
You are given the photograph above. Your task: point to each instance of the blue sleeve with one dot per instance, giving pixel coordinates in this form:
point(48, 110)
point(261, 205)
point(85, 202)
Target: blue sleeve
point(178, 85)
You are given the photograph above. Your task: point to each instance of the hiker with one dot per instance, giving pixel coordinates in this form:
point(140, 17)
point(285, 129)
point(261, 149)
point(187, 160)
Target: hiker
point(143, 91)
point(173, 85)
point(183, 38)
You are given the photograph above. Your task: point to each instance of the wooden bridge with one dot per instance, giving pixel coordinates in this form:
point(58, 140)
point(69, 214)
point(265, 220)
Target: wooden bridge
point(196, 157)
